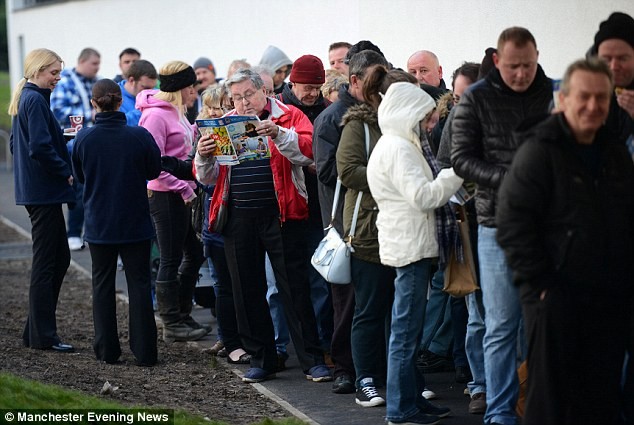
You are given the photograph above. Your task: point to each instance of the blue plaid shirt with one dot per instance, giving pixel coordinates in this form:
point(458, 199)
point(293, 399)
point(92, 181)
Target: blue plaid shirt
point(66, 100)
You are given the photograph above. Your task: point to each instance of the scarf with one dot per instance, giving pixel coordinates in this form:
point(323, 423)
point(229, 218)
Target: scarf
point(446, 226)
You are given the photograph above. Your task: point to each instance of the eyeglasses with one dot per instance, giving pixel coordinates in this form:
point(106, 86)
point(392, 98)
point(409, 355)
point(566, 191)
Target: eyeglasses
point(247, 96)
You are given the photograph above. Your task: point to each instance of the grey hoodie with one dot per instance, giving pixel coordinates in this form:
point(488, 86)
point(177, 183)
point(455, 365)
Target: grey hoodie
point(274, 58)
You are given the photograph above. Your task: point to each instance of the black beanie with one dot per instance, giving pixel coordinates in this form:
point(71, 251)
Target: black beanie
point(618, 25)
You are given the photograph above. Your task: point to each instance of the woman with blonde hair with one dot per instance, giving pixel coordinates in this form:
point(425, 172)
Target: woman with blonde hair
point(43, 182)
point(163, 115)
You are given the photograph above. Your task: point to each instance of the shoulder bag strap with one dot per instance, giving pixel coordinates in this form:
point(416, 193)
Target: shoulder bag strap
point(357, 205)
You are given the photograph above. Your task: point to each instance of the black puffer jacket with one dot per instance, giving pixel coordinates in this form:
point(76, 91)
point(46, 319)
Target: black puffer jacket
point(561, 224)
point(483, 143)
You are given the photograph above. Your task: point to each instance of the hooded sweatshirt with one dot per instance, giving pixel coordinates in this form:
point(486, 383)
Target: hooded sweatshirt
point(274, 58)
point(173, 135)
point(401, 180)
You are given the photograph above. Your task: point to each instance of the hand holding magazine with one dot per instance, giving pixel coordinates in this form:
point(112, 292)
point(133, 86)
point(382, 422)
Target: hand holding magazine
point(236, 138)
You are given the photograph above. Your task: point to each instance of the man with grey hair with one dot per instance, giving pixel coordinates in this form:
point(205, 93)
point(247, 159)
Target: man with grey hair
point(328, 129)
point(267, 209)
point(266, 73)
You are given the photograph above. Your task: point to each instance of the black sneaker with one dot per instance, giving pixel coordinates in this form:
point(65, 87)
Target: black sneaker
point(417, 419)
point(367, 396)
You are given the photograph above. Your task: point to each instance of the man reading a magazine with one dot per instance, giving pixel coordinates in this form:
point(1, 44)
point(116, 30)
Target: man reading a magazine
point(263, 205)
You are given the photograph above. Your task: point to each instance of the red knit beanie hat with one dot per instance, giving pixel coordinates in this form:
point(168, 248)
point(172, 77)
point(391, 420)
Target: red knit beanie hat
point(308, 69)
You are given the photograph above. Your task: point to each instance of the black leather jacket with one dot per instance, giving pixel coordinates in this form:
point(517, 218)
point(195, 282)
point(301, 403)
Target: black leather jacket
point(483, 128)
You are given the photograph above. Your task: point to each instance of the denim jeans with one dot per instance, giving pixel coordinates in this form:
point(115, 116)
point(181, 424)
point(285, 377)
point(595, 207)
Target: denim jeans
point(438, 332)
point(282, 337)
point(373, 293)
point(320, 293)
point(404, 383)
point(76, 214)
point(473, 343)
point(503, 314)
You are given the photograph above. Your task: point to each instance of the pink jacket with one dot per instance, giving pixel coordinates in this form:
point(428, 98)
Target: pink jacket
point(173, 135)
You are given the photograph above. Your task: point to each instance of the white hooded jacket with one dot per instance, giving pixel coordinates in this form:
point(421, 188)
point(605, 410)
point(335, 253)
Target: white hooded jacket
point(401, 180)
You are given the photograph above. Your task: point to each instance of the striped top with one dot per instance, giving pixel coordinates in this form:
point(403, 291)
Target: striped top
point(251, 187)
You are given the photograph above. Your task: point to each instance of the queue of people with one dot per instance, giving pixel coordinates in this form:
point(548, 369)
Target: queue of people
point(552, 198)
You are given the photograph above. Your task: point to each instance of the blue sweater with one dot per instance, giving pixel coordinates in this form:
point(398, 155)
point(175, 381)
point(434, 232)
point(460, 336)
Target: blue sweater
point(40, 159)
point(114, 161)
point(128, 106)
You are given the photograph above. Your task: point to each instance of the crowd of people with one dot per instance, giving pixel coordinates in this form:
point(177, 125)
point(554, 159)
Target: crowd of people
point(549, 170)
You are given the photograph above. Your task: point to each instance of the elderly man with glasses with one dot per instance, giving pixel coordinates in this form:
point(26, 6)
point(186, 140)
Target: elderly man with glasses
point(267, 211)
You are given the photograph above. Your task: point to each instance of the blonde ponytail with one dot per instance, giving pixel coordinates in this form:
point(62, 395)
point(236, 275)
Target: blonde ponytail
point(35, 62)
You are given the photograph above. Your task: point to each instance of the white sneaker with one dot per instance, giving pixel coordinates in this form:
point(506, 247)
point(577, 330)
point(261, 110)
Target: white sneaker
point(75, 243)
point(429, 394)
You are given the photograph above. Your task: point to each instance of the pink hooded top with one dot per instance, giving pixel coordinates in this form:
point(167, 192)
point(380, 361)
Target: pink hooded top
point(174, 136)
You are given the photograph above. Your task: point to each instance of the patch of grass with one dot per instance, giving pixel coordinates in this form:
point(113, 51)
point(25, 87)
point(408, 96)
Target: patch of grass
point(5, 98)
point(18, 393)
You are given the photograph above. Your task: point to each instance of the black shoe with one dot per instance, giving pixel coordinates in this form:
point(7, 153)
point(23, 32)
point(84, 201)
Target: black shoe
point(463, 374)
point(430, 409)
point(343, 385)
point(281, 361)
point(60, 347)
point(417, 419)
point(429, 362)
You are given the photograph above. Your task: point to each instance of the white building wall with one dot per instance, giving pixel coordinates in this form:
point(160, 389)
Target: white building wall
point(163, 30)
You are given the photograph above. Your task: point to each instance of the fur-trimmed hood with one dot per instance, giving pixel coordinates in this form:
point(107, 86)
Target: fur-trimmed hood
point(444, 105)
point(362, 112)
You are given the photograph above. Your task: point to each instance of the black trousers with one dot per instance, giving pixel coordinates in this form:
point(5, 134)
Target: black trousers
point(142, 327)
point(225, 307)
point(576, 347)
point(343, 304)
point(51, 258)
point(247, 240)
point(179, 249)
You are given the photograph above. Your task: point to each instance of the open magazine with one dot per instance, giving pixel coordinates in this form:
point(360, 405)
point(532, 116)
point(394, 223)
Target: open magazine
point(236, 138)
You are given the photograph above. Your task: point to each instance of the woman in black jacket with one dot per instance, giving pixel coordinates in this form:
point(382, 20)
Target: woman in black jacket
point(114, 161)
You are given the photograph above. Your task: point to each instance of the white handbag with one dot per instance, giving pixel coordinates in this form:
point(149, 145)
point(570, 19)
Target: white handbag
point(332, 256)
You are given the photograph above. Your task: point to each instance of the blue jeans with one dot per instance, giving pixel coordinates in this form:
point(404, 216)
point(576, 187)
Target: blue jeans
point(282, 338)
point(320, 292)
point(76, 214)
point(503, 314)
point(404, 382)
point(473, 344)
point(438, 332)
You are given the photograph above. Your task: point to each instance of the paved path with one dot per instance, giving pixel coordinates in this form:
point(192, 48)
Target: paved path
point(312, 402)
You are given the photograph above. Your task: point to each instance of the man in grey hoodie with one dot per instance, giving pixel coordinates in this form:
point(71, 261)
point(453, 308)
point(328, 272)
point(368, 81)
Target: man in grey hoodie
point(277, 60)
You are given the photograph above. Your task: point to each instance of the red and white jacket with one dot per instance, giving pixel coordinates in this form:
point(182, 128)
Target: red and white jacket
point(290, 151)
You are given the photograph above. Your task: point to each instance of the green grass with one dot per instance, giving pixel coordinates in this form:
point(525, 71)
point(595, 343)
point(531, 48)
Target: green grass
point(18, 393)
point(5, 98)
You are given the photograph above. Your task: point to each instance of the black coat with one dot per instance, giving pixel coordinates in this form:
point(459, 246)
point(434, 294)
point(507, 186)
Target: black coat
point(483, 143)
point(559, 222)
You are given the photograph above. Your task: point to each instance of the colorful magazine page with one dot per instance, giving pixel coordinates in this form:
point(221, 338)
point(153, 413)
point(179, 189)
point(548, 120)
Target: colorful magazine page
point(236, 138)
